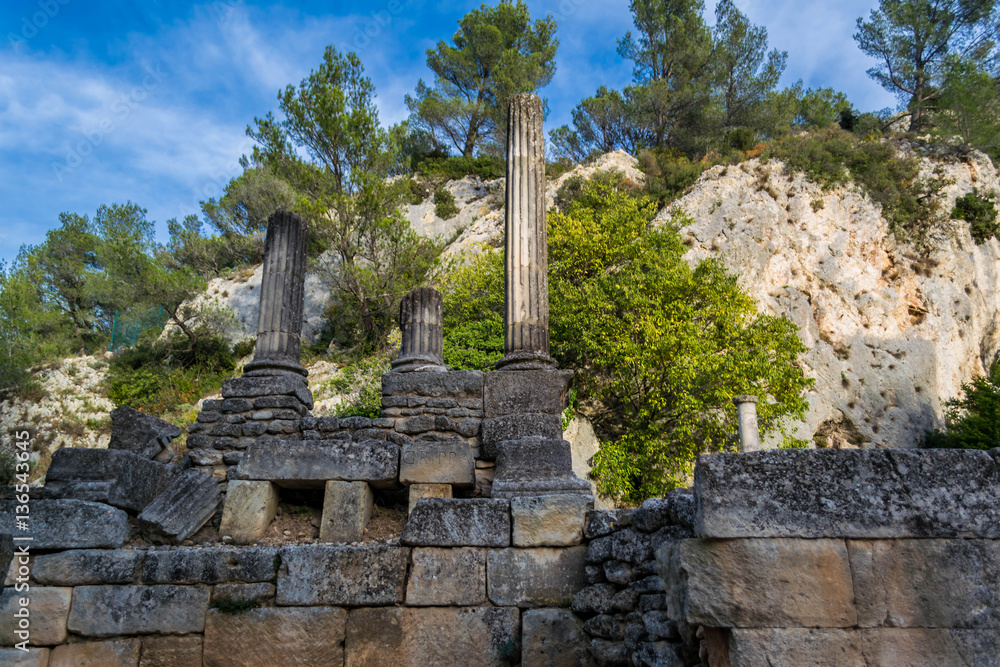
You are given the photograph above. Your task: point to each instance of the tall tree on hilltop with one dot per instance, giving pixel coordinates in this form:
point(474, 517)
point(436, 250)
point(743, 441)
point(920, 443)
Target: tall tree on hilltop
point(747, 71)
point(498, 52)
point(912, 40)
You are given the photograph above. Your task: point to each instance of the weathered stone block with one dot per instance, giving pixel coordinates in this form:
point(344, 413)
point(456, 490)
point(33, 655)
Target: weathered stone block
point(443, 577)
point(517, 392)
point(206, 457)
point(469, 636)
point(311, 463)
point(554, 637)
point(33, 657)
point(68, 524)
point(139, 433)
point(290, 402)
point(631, 546)
point(604, 522)
point(859, 493)
point(549, 521)
point(318, 575)
point(759, 583)
point(47, 611)
point(458, 522)
point(927, 583)
point(140, 481)
point(248, 510)
point(608, 653)
point(437, 462)
point(275, 637)
point(534, 467)
point(209, 565)
point(83, 474)
point(418, 491)
point(274, 385)
point(676, 509)
point(105, 611)
point(171, 651)
point(183, 508)
point(453, 384)
point(243, 592)
point(347, 508)
point(111, 653)
point(514, 427)
point(535, 577)
point(87, 566)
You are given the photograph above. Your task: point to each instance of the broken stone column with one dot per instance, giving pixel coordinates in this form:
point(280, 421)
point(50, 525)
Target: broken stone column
point(526, 288)
point(282, 292)
point(420, 320)
point(746, 414)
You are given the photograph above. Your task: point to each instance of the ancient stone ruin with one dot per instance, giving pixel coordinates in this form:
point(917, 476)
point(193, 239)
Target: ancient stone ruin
point(773, 558)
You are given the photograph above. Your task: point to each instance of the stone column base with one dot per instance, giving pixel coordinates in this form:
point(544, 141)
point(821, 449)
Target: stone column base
point(536, 467)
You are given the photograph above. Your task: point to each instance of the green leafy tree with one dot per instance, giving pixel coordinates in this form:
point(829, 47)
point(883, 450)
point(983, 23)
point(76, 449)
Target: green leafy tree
point(820, 108)
point(26, 325)
point(342, 187)
point(972, 419)
point(209, 255)
point(497, 53)
point(912, 41)
point(747, 71)
point(603, 123)
point(970, 105)
point(473, 312)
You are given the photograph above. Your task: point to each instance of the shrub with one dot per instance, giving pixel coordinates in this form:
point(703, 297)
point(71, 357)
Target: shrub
point(418, 192)
point(363, 380)
point(244, 347)
point(669, 174)
point(474, 312)
point(452, 168)
point(972, 419)
point(741, 138)
point(980, 212)
point(444, 204)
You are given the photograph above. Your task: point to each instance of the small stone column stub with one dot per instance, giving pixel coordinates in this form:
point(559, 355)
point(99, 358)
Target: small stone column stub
point(282, 293)
point(746, 414)
point(526, 288)
point(421, 323)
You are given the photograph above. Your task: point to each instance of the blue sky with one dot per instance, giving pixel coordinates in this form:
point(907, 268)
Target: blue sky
point(104, 101)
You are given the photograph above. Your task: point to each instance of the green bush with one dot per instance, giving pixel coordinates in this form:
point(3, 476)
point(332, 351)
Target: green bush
point(980, 212)
point(452, 168)
point(418, 191)
point(363, 378)
point(972, 420)
point(244, 347)
point(444, 204)
point(741, 138)
point(669, 174)
point(474, 312)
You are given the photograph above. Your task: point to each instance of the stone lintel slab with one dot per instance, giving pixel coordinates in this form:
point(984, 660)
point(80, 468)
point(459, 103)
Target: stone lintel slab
point(351, 576)
point(437, 462)
point(543, 577)
point(863, 494)
point(312, 463)
point(458, 522)
point(452, 384)
point(68, 524)
point(745, 583)
point(422, 636)
point(81, 567)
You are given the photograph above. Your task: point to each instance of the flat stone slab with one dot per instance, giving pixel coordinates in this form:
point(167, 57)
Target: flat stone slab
point(108, 653)
point(514, 427)
point(107, 611)
point(275, 636)
point(252, 386)
point(83, 474)
point(549, 521)
point(453, 384)
point(184, 507)
point(516, 392)
point(139, 481)
point(47, 607)
point(458, 522)
point(759, 583)
point(419, 637)
point(68, 524)
point(437, 462)
point(445, 577)
point(140, 433)
point(857, 493)
point(209, 565)
point(171, 651)
point(312, 463)
point(82, 567)
point(535, 577)
point(355, 576)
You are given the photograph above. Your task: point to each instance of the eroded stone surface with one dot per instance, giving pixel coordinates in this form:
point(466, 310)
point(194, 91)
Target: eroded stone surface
point(347, 508)
point(849, 493)
point(33, 657)
point(111, 653)
point(535, 577)
point(184, 507)
point(554, 637)
point(248, 510)
point(417, 637)
point(139, 481)
point(275, 636)
point(443, 577)
point(314, 575)
point(209, 565)
point(437, 462)
point(87, 566)
point(549, 521)
point(457, 522)
point(140, 433)
point(171, 651)
point(418, 491)
point(69, 524)
point(47, 611)
point(311, 463)
point(106, 611)
point(518, 392)
point(759, 583)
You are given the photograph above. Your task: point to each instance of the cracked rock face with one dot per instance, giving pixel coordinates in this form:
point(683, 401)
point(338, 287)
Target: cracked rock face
point(891, 335)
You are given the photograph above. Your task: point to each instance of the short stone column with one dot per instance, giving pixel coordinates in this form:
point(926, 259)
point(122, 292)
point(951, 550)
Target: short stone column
point(526, 284)
point(282, 293)
point(746, 414)
point(420, 321)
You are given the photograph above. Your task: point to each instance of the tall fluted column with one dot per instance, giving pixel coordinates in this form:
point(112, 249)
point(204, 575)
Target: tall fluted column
point(420, 321)
point(282, 292)
point(526, 293)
